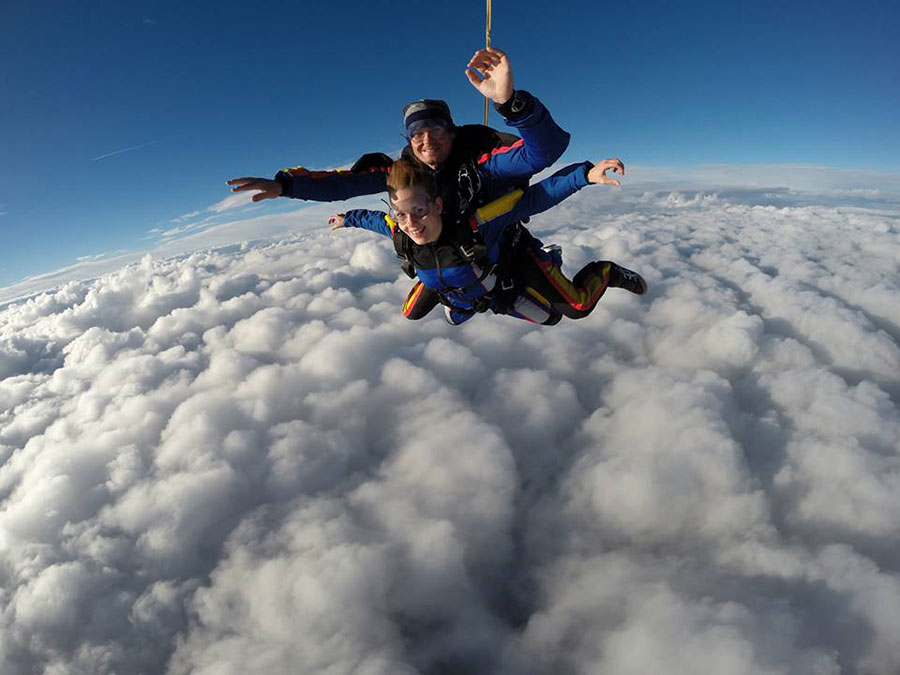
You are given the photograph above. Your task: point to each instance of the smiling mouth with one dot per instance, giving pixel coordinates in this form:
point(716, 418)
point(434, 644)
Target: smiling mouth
point(417, 232)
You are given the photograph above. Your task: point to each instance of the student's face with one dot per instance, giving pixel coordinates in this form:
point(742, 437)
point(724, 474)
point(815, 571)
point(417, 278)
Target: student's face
point(417, 215)
point(431, 145)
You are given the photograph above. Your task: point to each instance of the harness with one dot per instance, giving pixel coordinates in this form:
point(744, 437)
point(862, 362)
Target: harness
point(471, 247)
point(468, 241)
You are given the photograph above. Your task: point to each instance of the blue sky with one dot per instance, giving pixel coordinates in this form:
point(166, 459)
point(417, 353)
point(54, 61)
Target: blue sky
point(119, 118)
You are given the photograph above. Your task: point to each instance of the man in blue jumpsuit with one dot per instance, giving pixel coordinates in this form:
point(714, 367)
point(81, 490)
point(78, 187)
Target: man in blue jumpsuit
point(444, 148)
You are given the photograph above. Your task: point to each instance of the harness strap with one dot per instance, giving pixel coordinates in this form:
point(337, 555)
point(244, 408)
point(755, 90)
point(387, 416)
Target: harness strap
point(401, 248)
point(503, 295)
point(479, 306)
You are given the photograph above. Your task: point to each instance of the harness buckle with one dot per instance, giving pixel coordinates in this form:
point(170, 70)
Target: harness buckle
point(469, 252)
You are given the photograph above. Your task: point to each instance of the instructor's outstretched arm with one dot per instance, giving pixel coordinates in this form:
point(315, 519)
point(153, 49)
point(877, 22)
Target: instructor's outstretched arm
point(268, 188)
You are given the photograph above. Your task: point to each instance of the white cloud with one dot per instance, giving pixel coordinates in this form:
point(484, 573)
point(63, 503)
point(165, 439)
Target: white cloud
point(230, 220)
point(244, 459)
point(235, 200)
point(844, 183)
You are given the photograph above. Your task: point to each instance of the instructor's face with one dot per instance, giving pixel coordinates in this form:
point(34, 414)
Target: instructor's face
point(431, 145)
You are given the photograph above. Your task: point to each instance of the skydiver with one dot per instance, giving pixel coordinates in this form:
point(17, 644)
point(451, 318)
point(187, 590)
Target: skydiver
point(467, 282)
point(471, 164)
point(436, 143)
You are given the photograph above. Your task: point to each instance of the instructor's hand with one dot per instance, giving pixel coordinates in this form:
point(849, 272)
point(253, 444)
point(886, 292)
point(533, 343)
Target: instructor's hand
point(336, 221)
point(597, 175)
point(268, 189)
point(490, 72)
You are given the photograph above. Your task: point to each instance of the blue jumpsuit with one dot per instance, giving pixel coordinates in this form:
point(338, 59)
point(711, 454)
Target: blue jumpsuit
point(502, 161)
point(465, 288)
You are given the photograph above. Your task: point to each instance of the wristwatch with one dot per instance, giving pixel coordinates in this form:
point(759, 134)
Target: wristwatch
point(514, 106)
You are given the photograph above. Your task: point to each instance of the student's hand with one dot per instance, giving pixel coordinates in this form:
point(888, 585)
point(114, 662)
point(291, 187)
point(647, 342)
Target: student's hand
point(336, 221)
point(268, 189)
point(597, 174)
point(492, 76)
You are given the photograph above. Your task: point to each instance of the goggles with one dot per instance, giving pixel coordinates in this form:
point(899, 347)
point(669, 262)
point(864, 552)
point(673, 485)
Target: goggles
point(415, 212)
point(438, 129)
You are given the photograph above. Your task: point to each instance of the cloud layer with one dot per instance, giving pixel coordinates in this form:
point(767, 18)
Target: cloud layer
point(246, 460)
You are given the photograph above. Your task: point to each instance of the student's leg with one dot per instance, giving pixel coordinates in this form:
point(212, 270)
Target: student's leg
point(419, 302)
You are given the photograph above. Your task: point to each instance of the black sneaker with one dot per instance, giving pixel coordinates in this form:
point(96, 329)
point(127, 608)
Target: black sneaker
point(619, 277)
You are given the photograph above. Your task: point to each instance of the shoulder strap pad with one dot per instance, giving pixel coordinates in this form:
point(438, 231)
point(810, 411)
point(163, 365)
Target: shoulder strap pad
point(373, 161)
point(467, 240)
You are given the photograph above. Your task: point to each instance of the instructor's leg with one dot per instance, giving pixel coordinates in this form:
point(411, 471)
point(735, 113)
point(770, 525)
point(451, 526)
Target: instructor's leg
point(535, 308)
point(578, 297)
point(574, 298)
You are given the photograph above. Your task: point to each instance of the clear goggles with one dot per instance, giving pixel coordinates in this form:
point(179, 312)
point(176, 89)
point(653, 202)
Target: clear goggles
point(438, 129)
point(414, 212)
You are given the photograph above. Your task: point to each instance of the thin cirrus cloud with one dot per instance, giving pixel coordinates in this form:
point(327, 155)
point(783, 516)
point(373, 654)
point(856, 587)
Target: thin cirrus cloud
point(246, 458)
point(124, 150)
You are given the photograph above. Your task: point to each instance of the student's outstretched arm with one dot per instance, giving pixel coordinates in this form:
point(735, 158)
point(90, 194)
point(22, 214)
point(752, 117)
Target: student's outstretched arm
point(376, 221)
point(492, 218)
